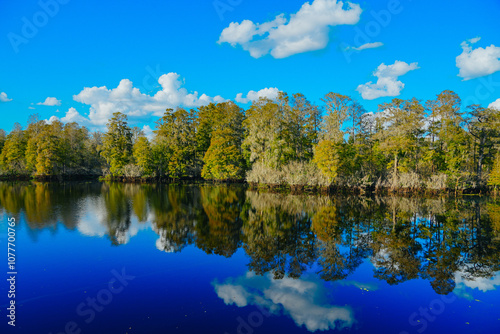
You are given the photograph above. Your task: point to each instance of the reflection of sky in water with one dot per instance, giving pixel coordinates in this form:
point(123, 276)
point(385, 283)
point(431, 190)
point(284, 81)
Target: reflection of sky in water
point(481, 283)
point(298, 298)
point(94, 218)
point(466, 288)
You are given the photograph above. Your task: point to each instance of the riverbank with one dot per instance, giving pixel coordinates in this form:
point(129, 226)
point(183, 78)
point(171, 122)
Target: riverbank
point(272, 188)
point(298, 189)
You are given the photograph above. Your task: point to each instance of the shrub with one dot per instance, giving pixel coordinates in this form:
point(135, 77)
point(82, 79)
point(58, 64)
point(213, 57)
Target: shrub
point(262, 174)
point(407, 181)
point(132, 170)
point(304, 174)
point(437, 182)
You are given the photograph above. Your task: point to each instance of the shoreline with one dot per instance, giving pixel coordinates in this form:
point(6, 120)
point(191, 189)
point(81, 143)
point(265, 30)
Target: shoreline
point(272, 188)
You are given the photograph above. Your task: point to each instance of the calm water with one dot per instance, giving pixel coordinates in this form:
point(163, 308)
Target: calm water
point(123, 258)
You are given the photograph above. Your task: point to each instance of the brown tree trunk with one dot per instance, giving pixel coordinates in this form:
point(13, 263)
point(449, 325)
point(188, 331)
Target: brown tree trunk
point(480, 158)
point(395, 164)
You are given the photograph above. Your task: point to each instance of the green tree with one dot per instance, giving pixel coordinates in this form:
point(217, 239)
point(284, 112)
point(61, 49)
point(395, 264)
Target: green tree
point(174, 144)
point(92, 158)
point(300, 127)
point(34, 134)
point(326, 157)
point(224, 158)
point(484, 126)
point(338, 108)
point(2, 139)
point(142, 154)
point(48, 153)
point(448, 144)
point(333, 154)
point(73, 149)
point(117, 143)
point(494, 179)
point(400, 130)
point(263, 136)
point(207, 117)
point(13, 154)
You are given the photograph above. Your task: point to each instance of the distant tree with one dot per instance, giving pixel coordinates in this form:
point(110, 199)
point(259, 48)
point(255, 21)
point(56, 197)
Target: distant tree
point(448, 143)
point(224, 158)
point(142, 154)
point(207, 118)
point(2, 139)
point(13, 153)
point(34, 134)
point(298, 128)
point(484, 127)
point(494, 179)
point(48, 153)
point(400, 130)
point(92, 159)
point(332, 153)
point(355, 114)
point(174, 144)
point(73, 148)
point(327, 158)
point(338, 108)
point(117, 143)
point(263, 138)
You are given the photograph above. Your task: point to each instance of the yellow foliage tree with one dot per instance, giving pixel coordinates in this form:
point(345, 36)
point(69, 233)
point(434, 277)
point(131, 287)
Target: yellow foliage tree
point(326, 157)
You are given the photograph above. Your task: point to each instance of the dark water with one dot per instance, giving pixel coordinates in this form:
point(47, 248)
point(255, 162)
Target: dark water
point(123, 258)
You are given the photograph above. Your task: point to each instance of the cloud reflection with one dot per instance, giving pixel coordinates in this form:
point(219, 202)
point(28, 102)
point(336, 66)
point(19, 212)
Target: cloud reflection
point(481, 283)
point(96, 222)
point(301, 299)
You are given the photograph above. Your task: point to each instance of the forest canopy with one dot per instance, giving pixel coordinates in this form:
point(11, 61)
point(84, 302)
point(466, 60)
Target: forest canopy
point(407, 144)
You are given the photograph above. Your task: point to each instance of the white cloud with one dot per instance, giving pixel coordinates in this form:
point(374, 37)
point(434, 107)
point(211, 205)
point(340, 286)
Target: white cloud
point(306, 30)
point(495, 104)
point(387, 83)
point(368, 46)
point(294, 297)
point(129, 100)
point(475, 63)
point(474, 40)
point(148, 132)
point(4, 98)
point(50, 101)
point(72, 115)
point(270, 93)
point(219, 99)
point(51, 119)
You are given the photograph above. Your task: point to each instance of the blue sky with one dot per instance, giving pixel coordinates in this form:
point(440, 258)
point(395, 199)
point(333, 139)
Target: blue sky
point(204, 47)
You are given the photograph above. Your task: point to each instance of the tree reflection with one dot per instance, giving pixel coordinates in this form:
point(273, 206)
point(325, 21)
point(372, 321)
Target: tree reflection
point(175, 210)
point(434, 239)
point(337, 257)
point(218, 229)
point(118, 212)
point(45, 205)
point(277, 234)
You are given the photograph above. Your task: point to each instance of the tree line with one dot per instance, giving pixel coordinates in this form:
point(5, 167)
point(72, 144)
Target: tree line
point(287, 141)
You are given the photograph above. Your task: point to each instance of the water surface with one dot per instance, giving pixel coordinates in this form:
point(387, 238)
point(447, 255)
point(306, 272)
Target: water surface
point(222, 259)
